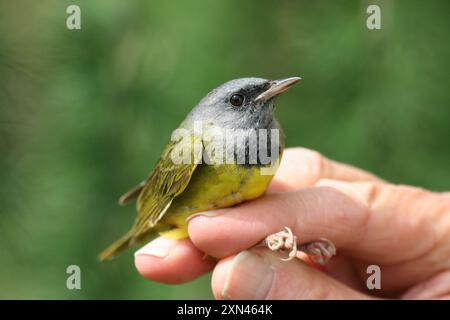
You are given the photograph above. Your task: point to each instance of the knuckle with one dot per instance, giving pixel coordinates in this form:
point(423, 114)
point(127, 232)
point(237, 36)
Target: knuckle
point(318, 164)
point(348, 214)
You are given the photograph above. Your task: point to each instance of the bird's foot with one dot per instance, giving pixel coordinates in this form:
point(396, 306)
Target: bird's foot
point(320, 251)
point(283, 241)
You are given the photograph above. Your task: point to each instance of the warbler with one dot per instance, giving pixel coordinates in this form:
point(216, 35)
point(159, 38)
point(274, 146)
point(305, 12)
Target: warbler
point(205, 177)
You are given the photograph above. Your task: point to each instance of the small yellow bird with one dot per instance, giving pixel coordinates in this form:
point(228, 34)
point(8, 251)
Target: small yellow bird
point(244, 110)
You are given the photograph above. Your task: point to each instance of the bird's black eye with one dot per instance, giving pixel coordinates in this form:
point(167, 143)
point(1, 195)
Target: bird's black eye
point(237, 99)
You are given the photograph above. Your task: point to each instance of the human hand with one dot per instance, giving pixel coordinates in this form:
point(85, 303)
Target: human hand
point(404, 230)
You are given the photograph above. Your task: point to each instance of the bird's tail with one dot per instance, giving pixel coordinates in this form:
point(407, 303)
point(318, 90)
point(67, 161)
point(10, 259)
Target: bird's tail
point(117, 247)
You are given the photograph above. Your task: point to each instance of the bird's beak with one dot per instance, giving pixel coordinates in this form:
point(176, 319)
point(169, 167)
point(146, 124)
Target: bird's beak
point(277, 87)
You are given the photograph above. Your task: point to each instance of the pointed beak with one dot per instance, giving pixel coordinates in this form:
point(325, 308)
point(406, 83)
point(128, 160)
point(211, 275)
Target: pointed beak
point(277, 87)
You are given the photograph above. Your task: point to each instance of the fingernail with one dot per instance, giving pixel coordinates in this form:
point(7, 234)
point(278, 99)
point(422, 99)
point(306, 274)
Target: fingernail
point(250, 277)
point(208, 214)
point(160, 247)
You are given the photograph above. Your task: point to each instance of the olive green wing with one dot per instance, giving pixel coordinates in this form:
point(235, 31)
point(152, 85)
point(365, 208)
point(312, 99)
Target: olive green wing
point(168, 180)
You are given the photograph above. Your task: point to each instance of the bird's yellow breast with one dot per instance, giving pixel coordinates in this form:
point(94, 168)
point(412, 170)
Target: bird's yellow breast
point(212, 187)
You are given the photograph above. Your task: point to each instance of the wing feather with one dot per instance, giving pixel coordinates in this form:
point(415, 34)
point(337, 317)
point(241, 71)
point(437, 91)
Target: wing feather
point(167, 181)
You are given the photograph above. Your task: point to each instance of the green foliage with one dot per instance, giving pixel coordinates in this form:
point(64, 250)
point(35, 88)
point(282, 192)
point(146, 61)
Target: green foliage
point(84, 114)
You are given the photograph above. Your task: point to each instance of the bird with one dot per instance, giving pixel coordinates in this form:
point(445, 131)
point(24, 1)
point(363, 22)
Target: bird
point(205, 177)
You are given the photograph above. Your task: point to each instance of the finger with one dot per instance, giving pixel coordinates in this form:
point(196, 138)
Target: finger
point(302, 167)
point(260, 274)
point(363, 219)
point(171, 261)
point(399, 215)
point(436, 287)
point(311, 213)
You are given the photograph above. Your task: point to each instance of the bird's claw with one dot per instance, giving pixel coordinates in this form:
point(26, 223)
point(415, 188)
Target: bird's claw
point(320, 251)
point(283, 241)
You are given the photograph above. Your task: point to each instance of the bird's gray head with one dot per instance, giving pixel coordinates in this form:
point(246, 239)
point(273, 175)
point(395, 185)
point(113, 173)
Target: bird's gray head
point(245, 103)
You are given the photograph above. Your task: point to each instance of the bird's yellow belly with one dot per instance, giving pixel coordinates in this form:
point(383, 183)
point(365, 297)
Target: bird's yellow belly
point(212, 187)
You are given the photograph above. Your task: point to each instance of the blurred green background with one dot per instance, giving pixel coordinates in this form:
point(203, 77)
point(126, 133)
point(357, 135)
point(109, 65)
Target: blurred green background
point(84, 114)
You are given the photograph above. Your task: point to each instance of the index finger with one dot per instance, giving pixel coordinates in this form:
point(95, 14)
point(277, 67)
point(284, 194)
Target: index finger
point(364, 219)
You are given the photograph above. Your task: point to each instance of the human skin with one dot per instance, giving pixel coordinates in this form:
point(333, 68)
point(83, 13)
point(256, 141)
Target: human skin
point(402, 229)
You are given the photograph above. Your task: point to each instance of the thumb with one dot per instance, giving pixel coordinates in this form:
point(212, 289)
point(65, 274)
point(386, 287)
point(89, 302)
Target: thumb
point(260, 274)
